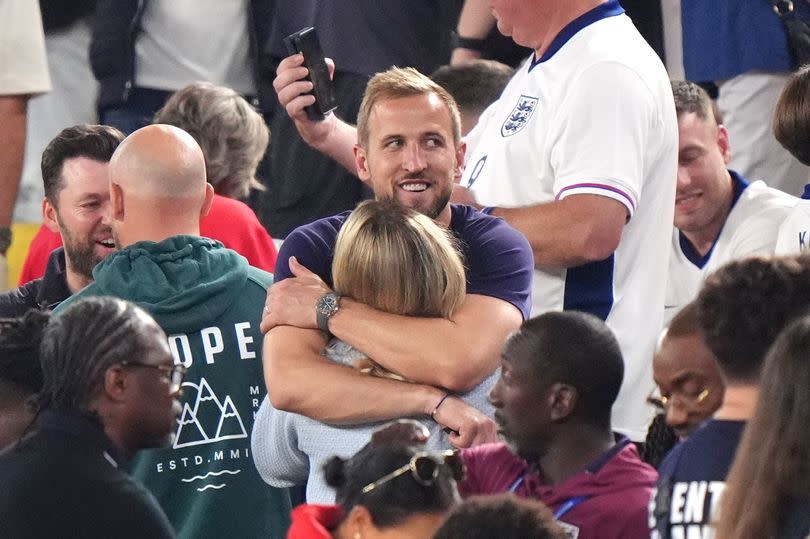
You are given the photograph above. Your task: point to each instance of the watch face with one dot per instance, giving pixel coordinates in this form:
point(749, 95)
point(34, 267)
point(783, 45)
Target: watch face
point(328, 304)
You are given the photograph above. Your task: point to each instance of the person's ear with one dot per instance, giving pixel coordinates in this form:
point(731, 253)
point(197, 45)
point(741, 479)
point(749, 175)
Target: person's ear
point(209, 199)
point(359, 523)
point(117, 202)
point(459, 168)
point(361, 163)
point(115, 383)
point(49, 217)
point(562, 401)
point(724, 143)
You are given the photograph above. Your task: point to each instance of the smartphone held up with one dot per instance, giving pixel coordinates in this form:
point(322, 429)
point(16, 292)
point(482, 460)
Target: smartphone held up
point(305, 41)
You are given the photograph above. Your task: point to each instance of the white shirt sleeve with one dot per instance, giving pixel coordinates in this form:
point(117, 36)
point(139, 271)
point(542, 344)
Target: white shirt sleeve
point(600, 135)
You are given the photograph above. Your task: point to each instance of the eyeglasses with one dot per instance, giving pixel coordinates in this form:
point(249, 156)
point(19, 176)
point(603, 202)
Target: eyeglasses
point(174, 374)
point(424, 467)
point(662, 403)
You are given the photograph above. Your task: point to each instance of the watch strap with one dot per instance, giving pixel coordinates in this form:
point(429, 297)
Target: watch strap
point(325, 308)
point(323, 321)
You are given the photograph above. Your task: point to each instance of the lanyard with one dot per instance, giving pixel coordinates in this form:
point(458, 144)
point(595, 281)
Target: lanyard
point(568, 505)
point(516, 484)
point(563, 509)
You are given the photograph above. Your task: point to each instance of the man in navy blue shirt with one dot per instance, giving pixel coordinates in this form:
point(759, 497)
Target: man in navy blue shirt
point(741, 309)
point(409, 149)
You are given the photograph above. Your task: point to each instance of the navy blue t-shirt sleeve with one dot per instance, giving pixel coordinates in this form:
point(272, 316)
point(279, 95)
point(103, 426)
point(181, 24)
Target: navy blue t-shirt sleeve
point(498, 258)
point(313, 245)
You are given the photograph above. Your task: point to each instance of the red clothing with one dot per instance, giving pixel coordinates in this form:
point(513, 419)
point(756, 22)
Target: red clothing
point(40, 249)
point(310, 521)
point(614, 492)
point(230, 221)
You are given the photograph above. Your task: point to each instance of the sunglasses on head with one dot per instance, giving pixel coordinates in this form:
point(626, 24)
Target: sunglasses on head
point(424, 468)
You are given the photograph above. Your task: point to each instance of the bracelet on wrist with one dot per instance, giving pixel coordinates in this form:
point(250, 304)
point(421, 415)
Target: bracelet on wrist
point(436, 408)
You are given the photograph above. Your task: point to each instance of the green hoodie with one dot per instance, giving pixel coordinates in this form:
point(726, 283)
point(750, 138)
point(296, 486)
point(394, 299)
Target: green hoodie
point(209, 302)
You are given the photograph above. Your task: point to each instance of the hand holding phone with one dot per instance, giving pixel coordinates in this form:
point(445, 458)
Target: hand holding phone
point(305, 41)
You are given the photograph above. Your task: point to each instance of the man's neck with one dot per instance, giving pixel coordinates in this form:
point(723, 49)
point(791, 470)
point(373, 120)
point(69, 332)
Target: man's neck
point(738, 403)
point(573, 451)
point(75, 281)
point(445, 217)
point(157, 232)
point(560, 15)
point(114, 430)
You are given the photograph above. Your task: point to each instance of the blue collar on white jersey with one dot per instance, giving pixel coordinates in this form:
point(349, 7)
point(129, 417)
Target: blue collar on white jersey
point(602, 11)
point(738, 184)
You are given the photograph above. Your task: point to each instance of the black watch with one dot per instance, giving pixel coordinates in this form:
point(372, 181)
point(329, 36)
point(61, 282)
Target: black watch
point(325, 308)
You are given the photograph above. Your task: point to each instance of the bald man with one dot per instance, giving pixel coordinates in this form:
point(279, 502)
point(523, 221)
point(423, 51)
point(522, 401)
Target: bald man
point(209, 302)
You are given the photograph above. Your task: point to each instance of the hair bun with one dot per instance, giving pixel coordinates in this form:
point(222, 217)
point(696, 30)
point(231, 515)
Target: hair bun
point(334, 472)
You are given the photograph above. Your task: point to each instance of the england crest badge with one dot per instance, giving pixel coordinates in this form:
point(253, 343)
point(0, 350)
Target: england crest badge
point(519, 116)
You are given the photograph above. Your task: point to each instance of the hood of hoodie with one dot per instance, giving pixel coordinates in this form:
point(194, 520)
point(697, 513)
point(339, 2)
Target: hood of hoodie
point(185, 282)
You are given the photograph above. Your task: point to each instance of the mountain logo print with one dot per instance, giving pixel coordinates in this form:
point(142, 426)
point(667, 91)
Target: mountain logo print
point(209, 420)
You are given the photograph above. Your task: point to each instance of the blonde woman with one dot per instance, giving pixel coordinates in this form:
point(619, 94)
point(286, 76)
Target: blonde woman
point(396, 260)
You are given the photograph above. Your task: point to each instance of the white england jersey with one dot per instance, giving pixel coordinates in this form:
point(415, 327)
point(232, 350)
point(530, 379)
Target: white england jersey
point(794, 234)
point(751, 229)
point(594, 115)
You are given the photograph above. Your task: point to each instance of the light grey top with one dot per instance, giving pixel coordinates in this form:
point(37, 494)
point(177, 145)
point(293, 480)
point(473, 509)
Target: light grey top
point(291, 449)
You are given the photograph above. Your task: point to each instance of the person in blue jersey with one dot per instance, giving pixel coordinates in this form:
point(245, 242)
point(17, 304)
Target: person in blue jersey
point(774, 452)
point(742, 308)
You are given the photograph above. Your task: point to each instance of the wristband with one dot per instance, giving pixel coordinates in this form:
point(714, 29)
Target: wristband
point(5, 239)
point(472, 43)
point(436, 408)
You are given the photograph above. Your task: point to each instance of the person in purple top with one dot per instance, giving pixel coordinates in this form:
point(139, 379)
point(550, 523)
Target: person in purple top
point(560, 375)
point(409, 149)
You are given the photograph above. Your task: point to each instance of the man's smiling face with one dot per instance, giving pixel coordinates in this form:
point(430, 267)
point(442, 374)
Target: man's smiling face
point(410, 155)
point(704, 189)
point(83, 213)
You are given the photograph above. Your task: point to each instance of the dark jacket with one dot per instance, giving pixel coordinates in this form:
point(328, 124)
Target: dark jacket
point(65, 480)
point(43, 294)
point(115, 27)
